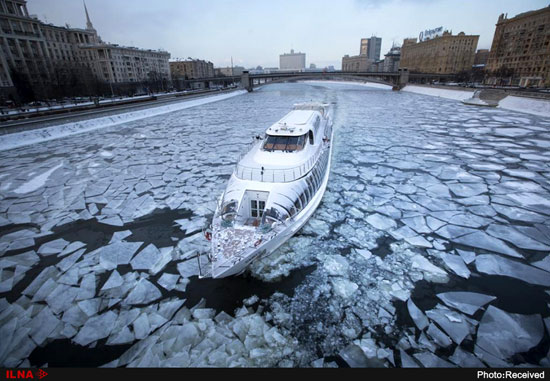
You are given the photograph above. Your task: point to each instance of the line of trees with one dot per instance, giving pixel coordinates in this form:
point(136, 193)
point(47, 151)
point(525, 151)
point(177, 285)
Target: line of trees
point(71, 81)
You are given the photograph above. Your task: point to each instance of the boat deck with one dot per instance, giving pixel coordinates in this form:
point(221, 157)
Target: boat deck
point(231, 242)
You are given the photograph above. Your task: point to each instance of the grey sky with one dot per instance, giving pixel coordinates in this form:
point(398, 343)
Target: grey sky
point(256, 32)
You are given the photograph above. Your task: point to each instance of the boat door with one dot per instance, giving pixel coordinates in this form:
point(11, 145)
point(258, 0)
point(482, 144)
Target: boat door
point(254, 206)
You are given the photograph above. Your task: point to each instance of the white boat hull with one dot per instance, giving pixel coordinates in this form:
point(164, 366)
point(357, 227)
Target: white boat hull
point(272, 245)
point(288, 195)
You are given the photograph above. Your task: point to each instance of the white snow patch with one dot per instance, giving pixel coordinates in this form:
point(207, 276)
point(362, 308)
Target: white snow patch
point(527, 105)
point(36, 182)
point(455, 94)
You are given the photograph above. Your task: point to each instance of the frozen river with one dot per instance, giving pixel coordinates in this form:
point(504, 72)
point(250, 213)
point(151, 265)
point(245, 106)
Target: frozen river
point(430, 247)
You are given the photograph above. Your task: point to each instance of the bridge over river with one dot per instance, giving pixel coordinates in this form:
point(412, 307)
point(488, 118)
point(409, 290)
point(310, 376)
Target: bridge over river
point(249, 81)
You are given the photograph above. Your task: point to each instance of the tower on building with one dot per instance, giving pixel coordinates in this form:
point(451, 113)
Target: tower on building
point(89, 25)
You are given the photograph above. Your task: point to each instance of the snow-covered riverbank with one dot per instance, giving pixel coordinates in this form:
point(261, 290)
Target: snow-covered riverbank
point(20, 139)
point(540, 107)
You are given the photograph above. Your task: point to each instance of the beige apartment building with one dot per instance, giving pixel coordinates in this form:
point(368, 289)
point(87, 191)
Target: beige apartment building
point(520, 53)
point(360, 63)
point(47, 55)
point(118, 64)
point(192, 69)
point(446, 54)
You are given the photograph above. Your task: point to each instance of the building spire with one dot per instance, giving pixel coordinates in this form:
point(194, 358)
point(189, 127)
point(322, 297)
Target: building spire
point(89, 24)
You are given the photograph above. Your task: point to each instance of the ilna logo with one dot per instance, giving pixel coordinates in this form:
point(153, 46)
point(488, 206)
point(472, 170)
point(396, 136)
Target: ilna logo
point(14, 374)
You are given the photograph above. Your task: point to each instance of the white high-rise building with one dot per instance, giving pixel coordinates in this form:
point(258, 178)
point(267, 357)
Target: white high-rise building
point(292, 61)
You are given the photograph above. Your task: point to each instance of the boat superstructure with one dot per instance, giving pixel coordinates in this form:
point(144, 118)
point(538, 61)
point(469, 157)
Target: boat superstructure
point(275, 187)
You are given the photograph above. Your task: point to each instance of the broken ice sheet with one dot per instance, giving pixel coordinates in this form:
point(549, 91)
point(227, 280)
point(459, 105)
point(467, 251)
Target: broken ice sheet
point(336, 265)
point(497, 265)
point(115, 280)
point(407, 361)
point(53, 247)
point(96, 328)
point(417, 315)
point(482, 240)
point(465, 359)
point(146, 258)
point(508, 233)
point(143, 293)
point(454, 324)
point(467, 302)
point(429, 360)
point(431, 272)
point(118, 253)
point(343, 287)
point(456, 264)
point(468, 190)
point(119, 236)
point(381, 222)
point(543, 264)
point(168, 281)
point(42, 325)
point(503, 334)
point(188, 268)
point(467, 256)
point(438, 336)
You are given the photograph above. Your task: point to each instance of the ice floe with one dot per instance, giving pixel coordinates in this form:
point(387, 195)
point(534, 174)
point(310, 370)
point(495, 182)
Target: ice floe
point(467, 302)
point(496, 265)
point(504, 334)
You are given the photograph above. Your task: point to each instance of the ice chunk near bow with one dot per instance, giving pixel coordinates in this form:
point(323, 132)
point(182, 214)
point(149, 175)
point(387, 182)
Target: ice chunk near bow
point(467, 302)
point(151, 259)
point(118, 253)
point(504, 334)
point(144, 292)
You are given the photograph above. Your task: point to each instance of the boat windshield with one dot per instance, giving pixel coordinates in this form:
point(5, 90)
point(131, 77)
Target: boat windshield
point(284, 143)
point(273, 215)
point(229, 210)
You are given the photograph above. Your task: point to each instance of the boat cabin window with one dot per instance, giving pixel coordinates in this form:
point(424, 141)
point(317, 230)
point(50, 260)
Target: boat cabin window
point(284, 143)
point(256, 208)
point(310, 137)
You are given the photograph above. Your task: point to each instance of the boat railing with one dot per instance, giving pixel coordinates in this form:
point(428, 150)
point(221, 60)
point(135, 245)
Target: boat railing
point(277, 175)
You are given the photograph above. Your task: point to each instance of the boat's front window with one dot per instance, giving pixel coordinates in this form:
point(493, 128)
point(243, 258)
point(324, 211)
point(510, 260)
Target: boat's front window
point(273, 215)
point(229, 210)
point(284, 143)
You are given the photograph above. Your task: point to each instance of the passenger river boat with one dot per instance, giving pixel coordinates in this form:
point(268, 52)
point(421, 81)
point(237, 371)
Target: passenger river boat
point(273, 191)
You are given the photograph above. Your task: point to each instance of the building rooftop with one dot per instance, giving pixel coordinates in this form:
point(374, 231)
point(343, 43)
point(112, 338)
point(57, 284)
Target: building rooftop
point(504, 17)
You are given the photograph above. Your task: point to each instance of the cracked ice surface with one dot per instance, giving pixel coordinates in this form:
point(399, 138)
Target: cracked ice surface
point(99, 235)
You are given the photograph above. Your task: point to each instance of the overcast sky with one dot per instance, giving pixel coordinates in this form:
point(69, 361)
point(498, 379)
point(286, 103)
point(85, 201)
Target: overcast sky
point(256, 32)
